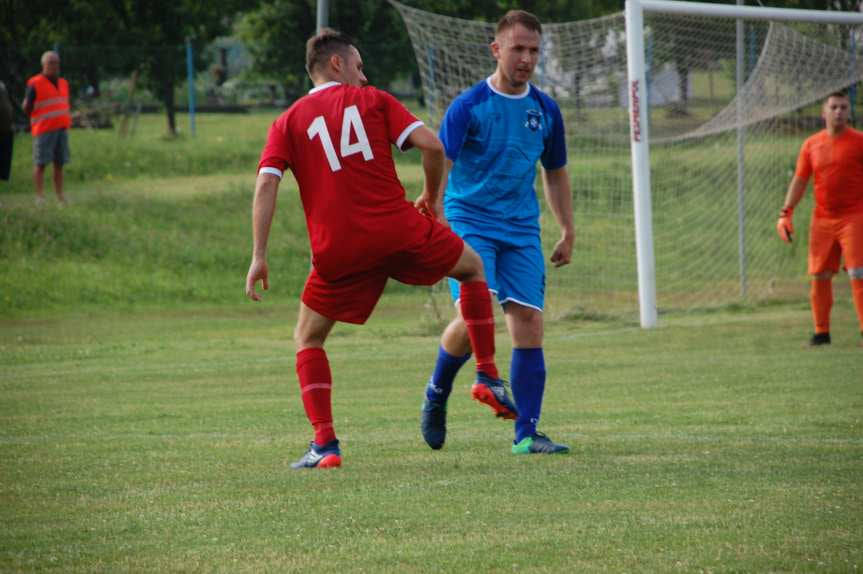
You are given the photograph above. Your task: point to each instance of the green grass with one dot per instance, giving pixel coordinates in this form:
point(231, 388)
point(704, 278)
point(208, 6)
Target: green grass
point(148, 414)
point(156, 222)
point(160, 442)
point(223, 144)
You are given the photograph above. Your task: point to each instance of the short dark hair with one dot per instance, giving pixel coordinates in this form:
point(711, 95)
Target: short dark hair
point(522, 17)
point(838, 94)
point(324, 44)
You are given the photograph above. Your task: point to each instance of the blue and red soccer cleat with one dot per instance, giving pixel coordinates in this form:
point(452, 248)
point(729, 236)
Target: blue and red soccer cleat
point(493, 393)
point(327, 456)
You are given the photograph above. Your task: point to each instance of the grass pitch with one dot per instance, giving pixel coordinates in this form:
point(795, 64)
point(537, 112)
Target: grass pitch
point(160, 442)
point(148, 415)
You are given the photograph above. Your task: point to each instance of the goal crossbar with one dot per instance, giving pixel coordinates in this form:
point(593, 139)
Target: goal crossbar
point(750, 12)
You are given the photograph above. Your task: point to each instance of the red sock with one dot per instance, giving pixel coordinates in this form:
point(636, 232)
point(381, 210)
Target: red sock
point(821, 296)
point(857, 294)
point(477, 313)
point(316, 384)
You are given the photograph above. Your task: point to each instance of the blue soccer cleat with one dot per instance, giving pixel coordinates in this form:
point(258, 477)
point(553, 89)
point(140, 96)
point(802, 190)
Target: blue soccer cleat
point(433, 422)
point(327, 456)
point(538, 444)
point(493, 393)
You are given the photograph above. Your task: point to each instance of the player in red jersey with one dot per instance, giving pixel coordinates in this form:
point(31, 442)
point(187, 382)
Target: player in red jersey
point(835, 156)
point(337, 142)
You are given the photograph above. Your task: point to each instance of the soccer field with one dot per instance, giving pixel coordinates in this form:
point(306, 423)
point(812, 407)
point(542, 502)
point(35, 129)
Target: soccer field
point(148, 414)
point(160, 442)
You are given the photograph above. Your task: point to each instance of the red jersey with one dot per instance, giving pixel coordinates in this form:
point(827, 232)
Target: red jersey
point(837, 163)
point(337, 142)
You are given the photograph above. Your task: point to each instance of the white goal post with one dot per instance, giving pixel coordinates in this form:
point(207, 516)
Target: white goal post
point(639, 104)
point(683, 124)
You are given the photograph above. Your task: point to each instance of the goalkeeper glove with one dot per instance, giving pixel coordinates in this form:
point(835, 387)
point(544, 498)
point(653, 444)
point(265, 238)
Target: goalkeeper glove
point(784, 226)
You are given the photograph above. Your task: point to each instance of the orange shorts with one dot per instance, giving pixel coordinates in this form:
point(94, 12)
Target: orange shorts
point(833, 237)
point(431, 251)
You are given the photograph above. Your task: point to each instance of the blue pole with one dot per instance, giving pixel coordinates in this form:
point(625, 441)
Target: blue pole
point(190, 73)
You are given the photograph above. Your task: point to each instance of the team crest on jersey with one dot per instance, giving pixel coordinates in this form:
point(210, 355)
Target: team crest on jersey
point(533, 122)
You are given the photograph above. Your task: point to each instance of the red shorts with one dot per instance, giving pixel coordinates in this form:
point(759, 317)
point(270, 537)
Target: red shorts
point(428, 252)
point(832, 237)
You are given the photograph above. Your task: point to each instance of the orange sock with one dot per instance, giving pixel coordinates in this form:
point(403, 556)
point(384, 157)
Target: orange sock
point(857, 293)
point(821, 296)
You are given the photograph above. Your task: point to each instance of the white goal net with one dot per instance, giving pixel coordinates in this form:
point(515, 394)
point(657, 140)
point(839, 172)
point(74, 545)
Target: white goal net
point(714, 239)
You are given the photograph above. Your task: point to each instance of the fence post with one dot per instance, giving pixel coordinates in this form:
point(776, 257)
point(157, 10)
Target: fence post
point(190, 80)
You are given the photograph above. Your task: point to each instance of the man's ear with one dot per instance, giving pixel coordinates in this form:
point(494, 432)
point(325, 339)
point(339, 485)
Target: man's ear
point(336, 62)
point(495, 49)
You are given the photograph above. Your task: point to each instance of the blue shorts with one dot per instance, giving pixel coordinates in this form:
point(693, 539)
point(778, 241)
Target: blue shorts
point(514, 265)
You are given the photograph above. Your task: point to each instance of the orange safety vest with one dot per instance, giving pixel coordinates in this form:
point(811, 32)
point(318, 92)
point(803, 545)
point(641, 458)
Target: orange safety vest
point(51, 108)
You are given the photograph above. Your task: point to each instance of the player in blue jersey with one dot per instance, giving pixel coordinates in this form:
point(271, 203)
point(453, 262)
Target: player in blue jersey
point(494, 133)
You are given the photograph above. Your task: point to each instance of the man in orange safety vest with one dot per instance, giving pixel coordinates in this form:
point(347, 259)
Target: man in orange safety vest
point(47, 104)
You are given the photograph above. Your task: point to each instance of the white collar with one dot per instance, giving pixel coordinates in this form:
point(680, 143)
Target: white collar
point(510, 96)
point(324, 86)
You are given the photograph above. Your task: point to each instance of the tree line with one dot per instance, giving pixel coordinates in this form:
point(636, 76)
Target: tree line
point(148, 35)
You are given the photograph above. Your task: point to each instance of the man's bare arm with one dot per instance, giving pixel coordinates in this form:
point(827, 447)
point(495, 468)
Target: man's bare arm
point(558, 194)
point(432, 151)
point(263, 209)
point(796, 189)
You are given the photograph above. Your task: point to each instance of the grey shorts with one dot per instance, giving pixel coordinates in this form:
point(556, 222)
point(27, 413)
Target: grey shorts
point(51, 147)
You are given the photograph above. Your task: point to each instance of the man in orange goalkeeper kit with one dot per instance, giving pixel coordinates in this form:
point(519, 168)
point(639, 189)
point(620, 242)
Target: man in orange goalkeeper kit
point(835, 156)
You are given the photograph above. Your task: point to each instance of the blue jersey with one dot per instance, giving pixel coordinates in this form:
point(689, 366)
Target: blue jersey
point(494, 141)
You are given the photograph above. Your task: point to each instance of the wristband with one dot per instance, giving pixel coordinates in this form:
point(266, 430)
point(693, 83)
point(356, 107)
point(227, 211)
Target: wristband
point(786, 212)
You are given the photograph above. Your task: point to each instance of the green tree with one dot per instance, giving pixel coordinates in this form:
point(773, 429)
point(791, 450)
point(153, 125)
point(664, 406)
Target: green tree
point(275, 34)
point(163, 26)
point(276, 31)
point(120, 34)
point(25, 33)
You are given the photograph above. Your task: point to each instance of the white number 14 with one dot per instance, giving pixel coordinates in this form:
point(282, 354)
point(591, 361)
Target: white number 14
point(351, 121)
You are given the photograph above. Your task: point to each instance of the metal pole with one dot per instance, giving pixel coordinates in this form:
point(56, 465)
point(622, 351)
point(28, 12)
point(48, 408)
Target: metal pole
point(638, 141)
point(323, 14)
point(741, 160)
point(190, 80)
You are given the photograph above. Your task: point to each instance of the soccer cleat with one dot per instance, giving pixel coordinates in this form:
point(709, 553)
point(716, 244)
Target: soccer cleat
point(538, 444)
point(433, 422)
point(327, 456)
point(819, 339)
point(493, 393)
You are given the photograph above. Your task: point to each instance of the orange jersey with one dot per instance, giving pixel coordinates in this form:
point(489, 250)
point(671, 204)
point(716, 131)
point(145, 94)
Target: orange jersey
point(837, 163)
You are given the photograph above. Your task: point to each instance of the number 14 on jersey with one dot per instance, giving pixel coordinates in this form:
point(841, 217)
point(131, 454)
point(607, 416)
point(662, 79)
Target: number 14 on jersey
point(351, 122)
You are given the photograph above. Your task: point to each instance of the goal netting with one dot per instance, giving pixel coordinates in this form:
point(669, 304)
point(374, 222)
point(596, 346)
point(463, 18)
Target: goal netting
point(714, 239)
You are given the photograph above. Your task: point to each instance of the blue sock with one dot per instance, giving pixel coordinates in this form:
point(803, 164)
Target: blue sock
point(527, 376)
point(445, 370)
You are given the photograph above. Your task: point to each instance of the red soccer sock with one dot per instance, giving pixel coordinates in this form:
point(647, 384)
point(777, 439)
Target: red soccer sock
point(316, 384)
point(821, 296)
point(477, 313)
point(857, 294)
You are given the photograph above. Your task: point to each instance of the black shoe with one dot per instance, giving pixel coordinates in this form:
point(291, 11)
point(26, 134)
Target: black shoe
point(433, 422)
point(819, 339)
